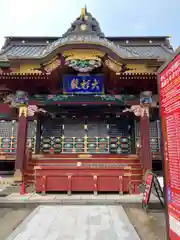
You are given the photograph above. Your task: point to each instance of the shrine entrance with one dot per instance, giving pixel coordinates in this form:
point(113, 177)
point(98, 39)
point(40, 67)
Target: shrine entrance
point(89, 130)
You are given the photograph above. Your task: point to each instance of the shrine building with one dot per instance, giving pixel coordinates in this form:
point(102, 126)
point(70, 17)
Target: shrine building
point(80, 112)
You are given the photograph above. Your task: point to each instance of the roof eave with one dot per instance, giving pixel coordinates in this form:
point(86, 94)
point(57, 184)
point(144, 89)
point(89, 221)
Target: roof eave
point(176, 53)
point(4, 64)
point(16, 58)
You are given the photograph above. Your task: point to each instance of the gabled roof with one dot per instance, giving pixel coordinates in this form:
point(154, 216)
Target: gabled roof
point(25, 47)
point(86, 30)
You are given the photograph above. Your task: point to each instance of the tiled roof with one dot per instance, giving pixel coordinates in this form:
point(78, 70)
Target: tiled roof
point(24, 50)
point(153, 51)
point(129, 49)
point(86, 30)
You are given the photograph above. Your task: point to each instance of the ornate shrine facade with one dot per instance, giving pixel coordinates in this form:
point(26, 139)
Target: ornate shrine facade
point(80, 112)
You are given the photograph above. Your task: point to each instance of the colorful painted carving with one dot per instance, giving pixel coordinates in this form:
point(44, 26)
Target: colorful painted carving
point(81, 65)
point(10, 99)
point(32, 109)
point(21, 98)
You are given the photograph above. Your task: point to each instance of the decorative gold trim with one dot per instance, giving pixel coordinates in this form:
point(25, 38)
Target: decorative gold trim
point(84, 13)
point(53, 64)
point(23, 110)
point(113, 65)
point(127, 174)
point(84, 54)
point(84, 156)
point(38, 156)
point(37, 168)
point(83, 27)
point(127, 168)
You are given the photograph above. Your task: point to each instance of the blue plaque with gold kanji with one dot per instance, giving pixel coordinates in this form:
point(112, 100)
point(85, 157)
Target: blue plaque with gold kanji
point(83, 84)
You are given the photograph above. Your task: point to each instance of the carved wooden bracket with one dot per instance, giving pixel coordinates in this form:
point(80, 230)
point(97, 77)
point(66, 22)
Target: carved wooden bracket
point(138, 110)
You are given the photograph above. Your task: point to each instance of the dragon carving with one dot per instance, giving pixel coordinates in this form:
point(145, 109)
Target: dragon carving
point(138, 110)
point(10, 99)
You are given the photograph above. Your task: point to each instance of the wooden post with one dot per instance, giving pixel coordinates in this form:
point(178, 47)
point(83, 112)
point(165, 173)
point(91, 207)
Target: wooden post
point(21, 143)
point(38, 136)
point(145, 153)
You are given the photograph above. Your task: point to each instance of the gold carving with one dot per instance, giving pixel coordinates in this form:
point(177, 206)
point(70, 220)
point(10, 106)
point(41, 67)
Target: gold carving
point(84, 54)
point(84, 15)
point(53, 64)
point(84, 156)
point(18, 176)
point(83, 27)
point(83, 12)
point(114, 66)
point(23, 110)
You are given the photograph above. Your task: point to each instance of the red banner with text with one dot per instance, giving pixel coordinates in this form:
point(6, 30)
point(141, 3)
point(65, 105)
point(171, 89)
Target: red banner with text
point(170, 109)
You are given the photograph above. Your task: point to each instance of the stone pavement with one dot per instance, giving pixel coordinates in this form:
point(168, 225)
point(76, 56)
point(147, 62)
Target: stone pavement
point(76, 223)
point(3, 186)
point(74, 198)
point(5, 182)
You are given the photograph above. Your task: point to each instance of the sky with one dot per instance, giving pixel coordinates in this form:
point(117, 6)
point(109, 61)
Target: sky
point(116, 17)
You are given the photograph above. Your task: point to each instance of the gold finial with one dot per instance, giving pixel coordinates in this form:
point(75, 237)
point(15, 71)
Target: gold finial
point(83, 12)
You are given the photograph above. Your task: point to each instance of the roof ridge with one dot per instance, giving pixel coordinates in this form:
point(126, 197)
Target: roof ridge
point(29, 44)
point(167, 49)
point(139, 44)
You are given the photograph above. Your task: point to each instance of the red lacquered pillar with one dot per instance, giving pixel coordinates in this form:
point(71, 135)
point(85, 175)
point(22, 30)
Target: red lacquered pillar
point(146, 155)
point(21, 143)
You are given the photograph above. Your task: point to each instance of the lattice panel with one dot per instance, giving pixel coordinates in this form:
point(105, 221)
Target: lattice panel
point(74, 145)
point(8, 135)
point(97, 137)
point(120, 145)
point(98, 145)
point(93, 137)
point(51, 144)
point(120, 137)
point(31, 135)
point(154, 135)
point(51, 138)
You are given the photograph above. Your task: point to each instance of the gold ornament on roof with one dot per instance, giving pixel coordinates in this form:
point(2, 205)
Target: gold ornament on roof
point(84, 13)
point(83, 27)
